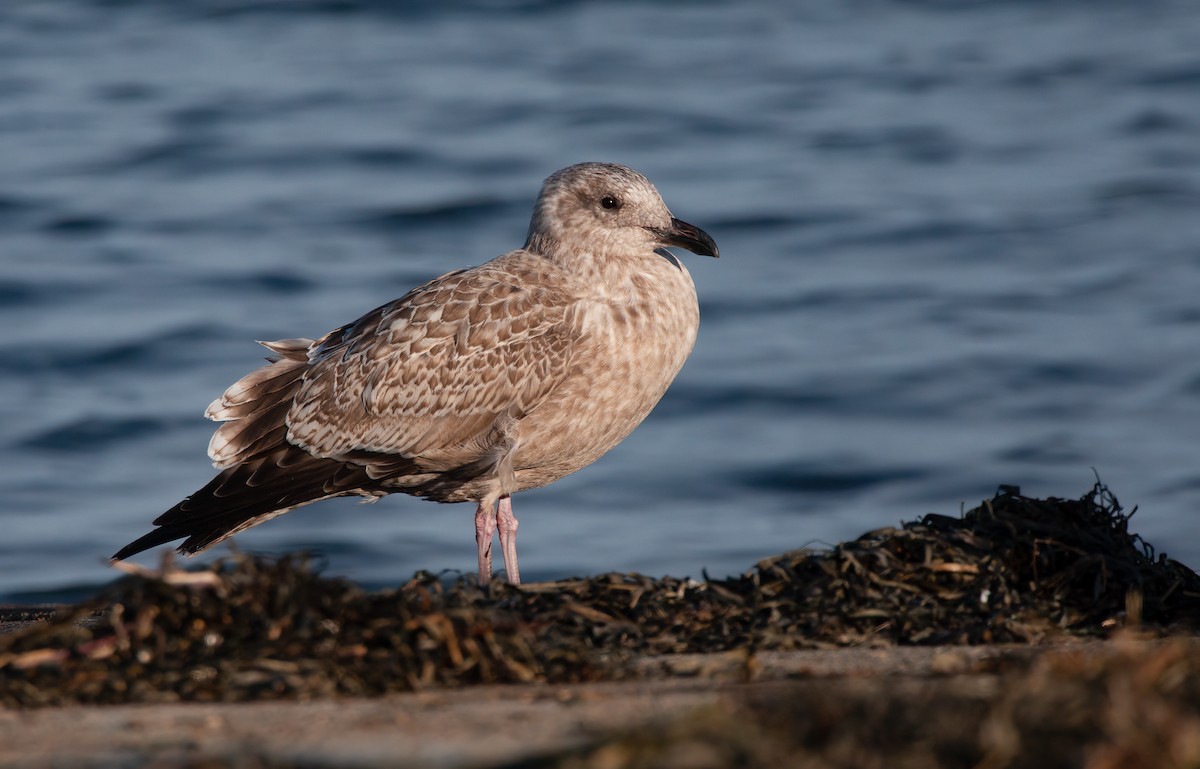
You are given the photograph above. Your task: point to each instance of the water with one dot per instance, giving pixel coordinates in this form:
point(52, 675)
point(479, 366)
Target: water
point(961, 247)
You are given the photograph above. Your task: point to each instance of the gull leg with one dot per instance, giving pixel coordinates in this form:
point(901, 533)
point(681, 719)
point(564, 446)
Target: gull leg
point(485, 528)
point(507, 523)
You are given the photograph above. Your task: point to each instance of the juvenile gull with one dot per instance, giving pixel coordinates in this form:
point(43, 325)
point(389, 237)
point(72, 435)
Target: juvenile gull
point(479, 384)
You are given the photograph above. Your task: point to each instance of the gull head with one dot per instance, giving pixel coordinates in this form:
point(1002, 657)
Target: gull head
point(607, 209)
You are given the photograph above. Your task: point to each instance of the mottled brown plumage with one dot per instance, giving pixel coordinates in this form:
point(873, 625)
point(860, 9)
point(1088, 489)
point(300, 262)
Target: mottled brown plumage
point(474, 386)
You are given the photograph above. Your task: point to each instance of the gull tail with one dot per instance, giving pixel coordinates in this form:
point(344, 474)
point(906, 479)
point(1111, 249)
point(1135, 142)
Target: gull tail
point(248, 494)
point(262, 474)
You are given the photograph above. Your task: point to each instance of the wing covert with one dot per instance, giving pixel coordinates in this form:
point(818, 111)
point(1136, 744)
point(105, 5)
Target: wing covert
point(435, 369)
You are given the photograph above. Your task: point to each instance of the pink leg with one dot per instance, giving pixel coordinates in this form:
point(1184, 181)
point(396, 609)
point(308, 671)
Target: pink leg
point(485, 528)
point(507, 523)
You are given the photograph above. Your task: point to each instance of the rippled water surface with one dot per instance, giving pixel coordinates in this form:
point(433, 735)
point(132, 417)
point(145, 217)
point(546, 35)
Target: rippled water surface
point(960, 247)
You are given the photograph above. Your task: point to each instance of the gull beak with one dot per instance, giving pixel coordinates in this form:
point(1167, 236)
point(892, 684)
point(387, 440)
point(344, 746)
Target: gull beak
point(688, 236)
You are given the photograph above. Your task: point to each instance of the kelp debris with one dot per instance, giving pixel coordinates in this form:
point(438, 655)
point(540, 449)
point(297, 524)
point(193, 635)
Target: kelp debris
point(1013, 570)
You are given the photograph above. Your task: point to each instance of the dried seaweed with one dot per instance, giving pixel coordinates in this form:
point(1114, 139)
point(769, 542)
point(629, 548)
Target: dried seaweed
point(1013, 569)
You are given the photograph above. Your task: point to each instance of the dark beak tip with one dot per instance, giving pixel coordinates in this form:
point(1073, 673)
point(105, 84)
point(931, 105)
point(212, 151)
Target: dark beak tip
point(704, 245)
point(692, 238)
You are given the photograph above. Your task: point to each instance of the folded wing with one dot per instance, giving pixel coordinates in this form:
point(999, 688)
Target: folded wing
point(429, 384)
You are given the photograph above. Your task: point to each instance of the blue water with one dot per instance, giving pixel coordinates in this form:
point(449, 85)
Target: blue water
point(960, 247)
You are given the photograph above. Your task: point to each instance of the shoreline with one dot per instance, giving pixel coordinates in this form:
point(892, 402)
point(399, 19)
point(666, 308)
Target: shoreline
point(1038, 630)
point(695, 710)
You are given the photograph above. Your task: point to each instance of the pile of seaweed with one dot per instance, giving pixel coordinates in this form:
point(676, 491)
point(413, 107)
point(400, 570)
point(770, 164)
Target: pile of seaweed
point(1014, 569)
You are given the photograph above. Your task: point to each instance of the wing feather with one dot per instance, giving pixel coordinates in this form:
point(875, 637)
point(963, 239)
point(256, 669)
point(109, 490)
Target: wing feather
point(433, 371)
point(419, 395)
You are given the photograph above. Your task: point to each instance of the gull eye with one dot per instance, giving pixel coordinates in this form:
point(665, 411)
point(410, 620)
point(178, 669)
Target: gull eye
point(609, 202)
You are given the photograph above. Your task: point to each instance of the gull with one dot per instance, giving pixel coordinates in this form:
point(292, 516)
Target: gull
point(479, 384)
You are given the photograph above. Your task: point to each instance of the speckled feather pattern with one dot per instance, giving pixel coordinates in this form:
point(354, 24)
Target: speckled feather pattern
point(480, 383)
